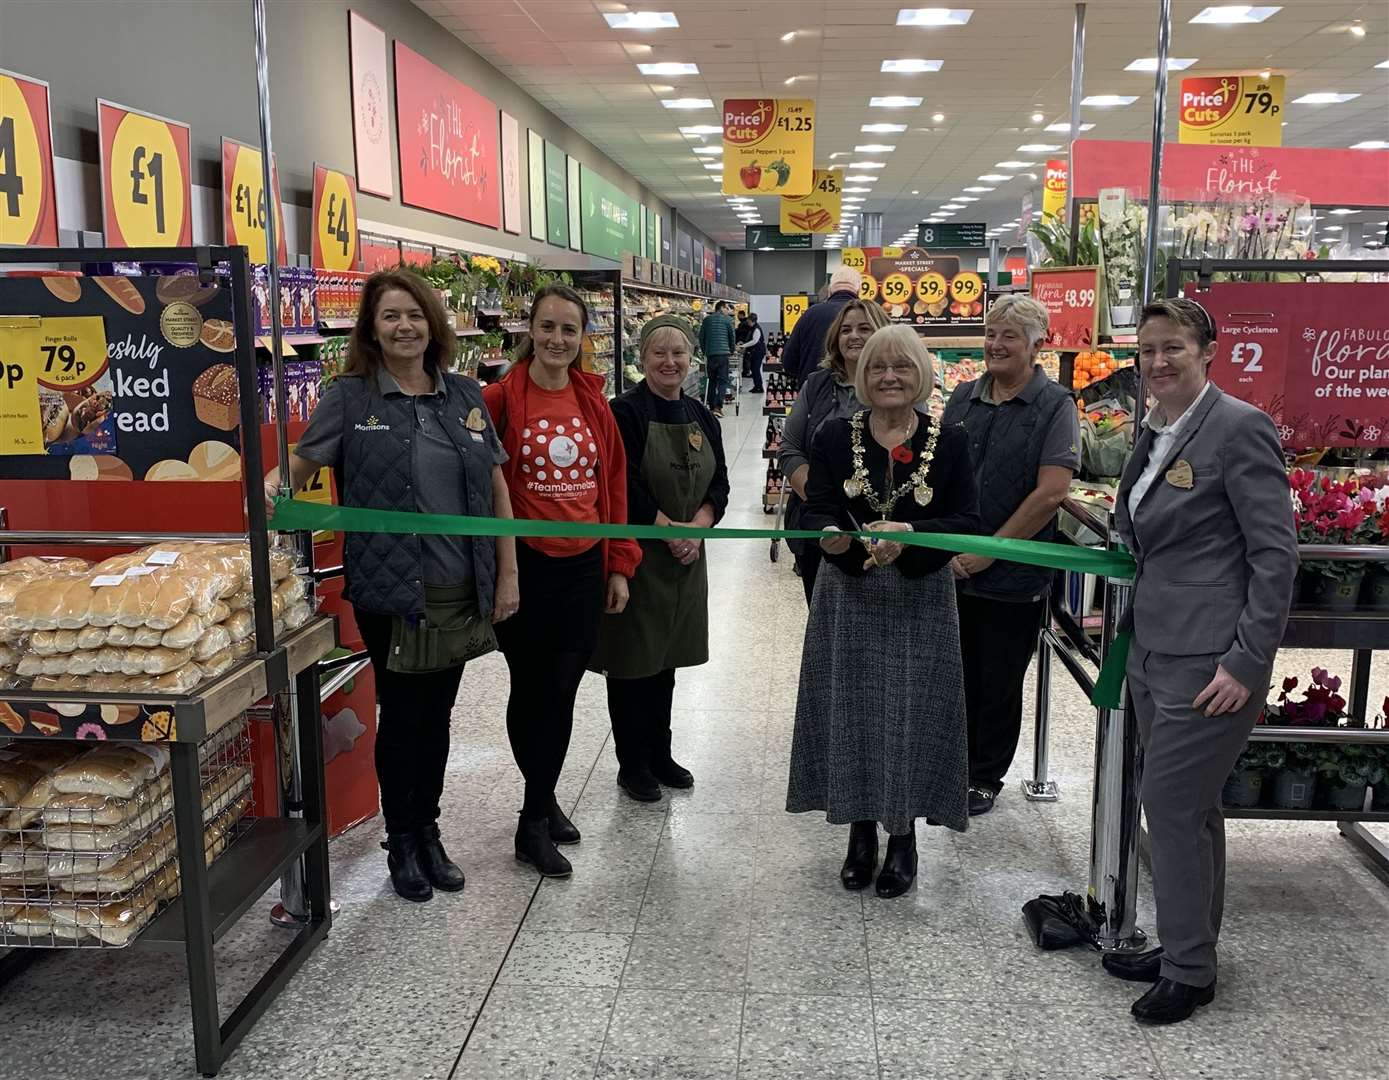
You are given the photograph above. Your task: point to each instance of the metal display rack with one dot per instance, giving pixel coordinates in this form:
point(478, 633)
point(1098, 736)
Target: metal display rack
point(214, 898)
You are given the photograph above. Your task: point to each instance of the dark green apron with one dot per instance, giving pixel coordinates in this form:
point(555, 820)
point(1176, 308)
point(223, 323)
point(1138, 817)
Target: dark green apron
point(666, 623)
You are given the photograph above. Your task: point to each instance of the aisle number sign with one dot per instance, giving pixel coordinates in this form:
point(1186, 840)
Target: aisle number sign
point(792, 308)
point(817, 212)
point(1232, 110)
point(768, 146)
point(244, 204)
point(146, 185)
point(28, 205)
point(336, 245)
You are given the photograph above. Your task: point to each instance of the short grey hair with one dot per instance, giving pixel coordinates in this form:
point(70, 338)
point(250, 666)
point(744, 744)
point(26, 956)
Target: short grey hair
point(896, 341)
point(1025, 313)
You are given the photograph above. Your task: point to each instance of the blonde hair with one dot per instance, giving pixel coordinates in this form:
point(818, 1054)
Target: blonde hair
point(834, 359)
point(896, 341)
point(1027, 314)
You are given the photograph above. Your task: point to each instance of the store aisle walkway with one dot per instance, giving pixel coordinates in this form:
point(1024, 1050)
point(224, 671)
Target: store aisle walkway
point(706, 937)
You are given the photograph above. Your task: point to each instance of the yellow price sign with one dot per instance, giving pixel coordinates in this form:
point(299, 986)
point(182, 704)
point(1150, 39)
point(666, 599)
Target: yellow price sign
point(931, 287)
point(768, 146)
point(1231, 110)
point(854, 259)
point(244, 204)
point(28, 207)
point(792, 308)
point(892, 253)
point(319, 491)
point(817, 212)
point(22, 430)
point(966, 286)
point(897, 288)
point(71, 352)
point(146, 189)
point(868, 287)
point(336, 245)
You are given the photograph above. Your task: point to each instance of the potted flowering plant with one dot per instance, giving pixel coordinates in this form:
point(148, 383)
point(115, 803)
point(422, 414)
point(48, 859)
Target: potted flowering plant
point(1331, 511)
point(1246, 784)
point(1295, 765)
point(1345, 771)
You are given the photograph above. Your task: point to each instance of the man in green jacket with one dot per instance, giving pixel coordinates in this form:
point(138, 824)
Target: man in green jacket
point(716, 341)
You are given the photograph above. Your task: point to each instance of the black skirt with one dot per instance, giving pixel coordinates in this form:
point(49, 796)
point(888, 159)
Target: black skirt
point(561, 602)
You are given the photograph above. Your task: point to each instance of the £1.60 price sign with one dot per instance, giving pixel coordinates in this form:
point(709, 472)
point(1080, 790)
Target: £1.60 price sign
point(244, 205)
point(768, 146)
point(146, 192)
point(28, 206)
point(335, 242)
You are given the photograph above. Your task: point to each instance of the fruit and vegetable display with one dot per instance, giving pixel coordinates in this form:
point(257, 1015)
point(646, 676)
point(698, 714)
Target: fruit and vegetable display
point(1093, 366)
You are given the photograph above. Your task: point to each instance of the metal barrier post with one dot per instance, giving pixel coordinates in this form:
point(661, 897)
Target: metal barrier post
point(1040, 788)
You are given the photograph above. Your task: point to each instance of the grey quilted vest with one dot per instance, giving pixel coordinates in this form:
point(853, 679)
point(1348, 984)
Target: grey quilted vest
point(384, 571)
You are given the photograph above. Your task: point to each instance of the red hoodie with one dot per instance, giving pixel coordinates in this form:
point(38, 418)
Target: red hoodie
point(505, 400)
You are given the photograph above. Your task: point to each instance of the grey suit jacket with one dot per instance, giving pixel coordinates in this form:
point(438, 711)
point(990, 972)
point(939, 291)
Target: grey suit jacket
point(1215, 562)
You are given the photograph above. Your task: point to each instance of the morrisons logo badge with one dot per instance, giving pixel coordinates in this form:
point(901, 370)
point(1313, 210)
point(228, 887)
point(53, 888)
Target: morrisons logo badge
point(372, 424)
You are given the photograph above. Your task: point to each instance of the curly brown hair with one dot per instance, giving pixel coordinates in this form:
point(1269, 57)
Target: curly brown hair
point(364, 351)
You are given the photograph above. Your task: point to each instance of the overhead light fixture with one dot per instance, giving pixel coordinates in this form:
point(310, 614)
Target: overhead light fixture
point(1230, 14)
point(1015, 164)
point(641, 20)
point(1324, 98)
point(1371, 144)
point(668, 68)
point(788, 36)
point(883, 129)
point(864, 179)
point(966, 198)
point(1357, 29)
point(979, 189)
point(938, 118)
point(905, 67)
point(858, 190)
point(934, 16)
point(1037, 118)
point(739, 199)
point(915, 192)
point(688, 103)
point(1037, 148)
point(873, 148)
point(994, 178)
point(894, 101)
point(701, 129)
point(1332, 228)
point(1382, 64)
point(1265, 74)
point(1108, 101)
point(868, 165)
point(1149, 63)
point(1064, 128)
point(953, 206)
point(714, 166)
point(1341, 211)
point(854, 199)
point(714, 148)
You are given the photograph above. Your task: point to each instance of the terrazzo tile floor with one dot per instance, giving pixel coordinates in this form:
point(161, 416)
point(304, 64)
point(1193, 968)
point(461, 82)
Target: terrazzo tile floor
point(706, 937)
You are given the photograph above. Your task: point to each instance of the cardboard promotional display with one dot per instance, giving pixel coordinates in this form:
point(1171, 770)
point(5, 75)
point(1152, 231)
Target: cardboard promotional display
point(336, 244)
point(146, 182)
point(28, 202)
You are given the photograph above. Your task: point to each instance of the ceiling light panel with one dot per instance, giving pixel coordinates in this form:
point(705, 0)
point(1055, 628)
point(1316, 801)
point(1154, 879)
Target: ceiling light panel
point(894, 101)
point(994, 178)
point(1015, 164)
point(1231, 14)
point(707, 151)
point(873, 148)
point(688, 103)
point(641, 20)
point(668, 68)
point(701, 129)
point(1108, 101)
point(1038, 148)
point(1371, 144)
point(934, 16)
point(907, 67)
point(1149, 63)
point(883, 129)
point(862, 179)
point(1324, 98)
point(1064, 128)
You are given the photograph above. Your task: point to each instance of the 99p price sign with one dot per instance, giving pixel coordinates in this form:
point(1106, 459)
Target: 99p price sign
point(146, 187)
point(244, 203)
point(335, 241)
point(28, 205)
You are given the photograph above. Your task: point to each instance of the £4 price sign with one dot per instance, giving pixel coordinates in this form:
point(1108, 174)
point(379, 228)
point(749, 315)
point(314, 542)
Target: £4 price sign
point(28, 207)
point(244, 204)
point(146, 193)
point(335, 242)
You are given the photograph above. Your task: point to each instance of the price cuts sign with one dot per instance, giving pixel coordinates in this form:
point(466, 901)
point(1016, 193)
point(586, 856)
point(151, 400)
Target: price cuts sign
point(792, 308)
point(1054, 189)
point(1232, 110)
point(817, 212)
point(146, 185)
point(1070, 295)
point(336, 245)
point(768, 146)
point(28, 204)
point(244, 204)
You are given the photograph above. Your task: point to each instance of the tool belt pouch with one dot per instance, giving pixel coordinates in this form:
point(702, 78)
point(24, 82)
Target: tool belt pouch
point(452, 632)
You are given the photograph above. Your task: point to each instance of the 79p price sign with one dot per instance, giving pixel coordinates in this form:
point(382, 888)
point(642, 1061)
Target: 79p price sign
point(146, 187)
point(244, 203)
point(28, 204)
point(336, 245)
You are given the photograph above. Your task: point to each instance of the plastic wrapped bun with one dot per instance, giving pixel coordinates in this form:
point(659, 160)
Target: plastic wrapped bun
point(74, 607)
point(161, 661)
point(181, 681)
point(297, 614)
point(91, 637)
point(187, 631)
point(214, 640)
point(241, 601)
point(239, 625)
point(138, 602)
point(133, 661)
point(217, 663)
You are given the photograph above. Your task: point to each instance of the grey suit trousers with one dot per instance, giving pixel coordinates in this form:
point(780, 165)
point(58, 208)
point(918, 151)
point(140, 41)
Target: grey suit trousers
point(1187, 758)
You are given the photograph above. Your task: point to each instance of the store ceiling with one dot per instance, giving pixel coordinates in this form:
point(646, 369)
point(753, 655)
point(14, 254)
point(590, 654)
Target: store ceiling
point(1011, 61)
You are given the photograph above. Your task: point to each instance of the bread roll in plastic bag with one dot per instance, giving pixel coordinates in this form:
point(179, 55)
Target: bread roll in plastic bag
point(214, 640)
point(91, 637)
point(188, 630)
point(160, 661)
point(239, 625)
point(82, 663)
point(180, 681)
point(241, 601)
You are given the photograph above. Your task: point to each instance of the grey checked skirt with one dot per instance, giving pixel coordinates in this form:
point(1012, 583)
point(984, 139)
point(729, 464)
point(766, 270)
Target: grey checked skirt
point(880, 717)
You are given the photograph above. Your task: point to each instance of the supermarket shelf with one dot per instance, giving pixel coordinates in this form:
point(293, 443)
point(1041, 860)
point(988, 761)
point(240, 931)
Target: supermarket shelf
point(470, 331)
point(1312, 629)
point(515, 327)
point(310, 643)
point(664, 290)
point(493, 363)
point(491, 311)
point(337, 324)
point(263, 340)
point(776, 410)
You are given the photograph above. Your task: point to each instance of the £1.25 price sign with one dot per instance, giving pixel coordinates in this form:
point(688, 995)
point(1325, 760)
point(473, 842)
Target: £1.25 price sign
point(335, 240)
point(28, 205)
point(244, 204)
point(146, 189)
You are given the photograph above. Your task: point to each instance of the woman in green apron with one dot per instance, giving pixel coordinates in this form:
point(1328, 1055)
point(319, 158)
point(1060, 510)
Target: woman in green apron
point(676, 475)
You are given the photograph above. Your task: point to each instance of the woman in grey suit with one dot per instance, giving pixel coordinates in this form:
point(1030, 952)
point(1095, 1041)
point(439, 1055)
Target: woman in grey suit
point(1204, 507)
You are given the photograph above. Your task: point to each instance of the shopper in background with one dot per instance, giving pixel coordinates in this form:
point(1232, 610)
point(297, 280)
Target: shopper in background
point(1024, 441)
point(676, 475)
point(717, 342)
point(880, 728)
point(566, 464)
point(740, 332)
point(402, 433)
point(1204, 508)
point(754, 353)
point(806, 346)
point(827, 394)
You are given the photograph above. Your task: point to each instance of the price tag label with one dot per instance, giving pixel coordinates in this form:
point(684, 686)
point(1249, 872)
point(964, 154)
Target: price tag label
point(792, 308)
point(335, 241)
point(868, 288)
point(145, 182)
point(854, 258)
point(931, 287)
point(966, 286)
point(244, 202)
point(897, 288)
point(319, 491)
point(162, 558)
point(28, 207)
point(21, 424)
point(72, 352)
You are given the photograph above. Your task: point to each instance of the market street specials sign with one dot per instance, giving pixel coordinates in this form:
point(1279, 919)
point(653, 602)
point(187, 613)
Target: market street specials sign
point(448, 137)
point(1314, 356)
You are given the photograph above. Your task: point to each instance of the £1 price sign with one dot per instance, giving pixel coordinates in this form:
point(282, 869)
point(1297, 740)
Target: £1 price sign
point(146, 192)
point(335, 241)
point(28, 205)
point(244, 205)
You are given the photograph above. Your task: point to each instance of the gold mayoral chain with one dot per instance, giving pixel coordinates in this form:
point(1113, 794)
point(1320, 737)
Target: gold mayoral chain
point(858, 484)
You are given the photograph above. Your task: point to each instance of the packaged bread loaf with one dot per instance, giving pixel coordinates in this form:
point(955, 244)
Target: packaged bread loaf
point(29, 921)
point(147, 804)
point(22, 860)
point(239, 625)
point(134, 868)
point(184, 680)
point(184, 633)
point(118, 771)
point(212, 641)
point(161, 661)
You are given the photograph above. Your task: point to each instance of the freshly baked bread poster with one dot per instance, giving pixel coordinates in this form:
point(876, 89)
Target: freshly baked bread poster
point(160, 404)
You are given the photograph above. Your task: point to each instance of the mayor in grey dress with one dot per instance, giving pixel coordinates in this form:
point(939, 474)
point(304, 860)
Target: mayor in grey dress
point(1204, 507)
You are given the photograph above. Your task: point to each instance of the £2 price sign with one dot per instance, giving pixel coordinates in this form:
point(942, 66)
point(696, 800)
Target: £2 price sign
point(817, 212)
point(768, 146)
point(1232, 110)
point(146, 193)
point(244, 205)
point(336, 245)
point(28, 206)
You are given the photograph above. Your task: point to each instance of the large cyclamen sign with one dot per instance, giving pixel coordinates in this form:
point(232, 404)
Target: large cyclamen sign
point(448, 137)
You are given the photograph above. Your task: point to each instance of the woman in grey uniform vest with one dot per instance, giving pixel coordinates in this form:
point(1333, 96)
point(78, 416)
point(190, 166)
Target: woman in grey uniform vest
point(401, 432)
point(676, 475)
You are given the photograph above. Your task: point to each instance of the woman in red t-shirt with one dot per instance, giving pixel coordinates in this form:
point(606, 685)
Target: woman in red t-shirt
point(566, 464)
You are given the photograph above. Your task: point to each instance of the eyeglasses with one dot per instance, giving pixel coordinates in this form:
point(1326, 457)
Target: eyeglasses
point(901, 368)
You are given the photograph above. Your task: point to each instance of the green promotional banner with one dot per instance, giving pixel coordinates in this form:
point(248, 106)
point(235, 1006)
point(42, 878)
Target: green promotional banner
point(609, 225)
point(535, 163)
point(653, 244)
point(556, 198)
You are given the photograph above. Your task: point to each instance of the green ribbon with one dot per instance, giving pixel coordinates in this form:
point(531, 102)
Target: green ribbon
point(294, 515)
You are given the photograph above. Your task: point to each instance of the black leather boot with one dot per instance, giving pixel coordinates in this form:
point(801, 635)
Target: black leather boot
point(862, 858)
point(534, 846)
point(639, 784)
point(672, 774)
point(899, 866)
point(403, 860)
point(562, 830)
point(442, 872)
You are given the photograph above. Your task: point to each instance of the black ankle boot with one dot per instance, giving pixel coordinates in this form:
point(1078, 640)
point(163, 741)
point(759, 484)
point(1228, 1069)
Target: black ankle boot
point(862, 859)
point(534, 846)
point(639, 784)
point(403, 860)
point(899, 866)
point(672, 774)
point(562, 830)
point(442, 872)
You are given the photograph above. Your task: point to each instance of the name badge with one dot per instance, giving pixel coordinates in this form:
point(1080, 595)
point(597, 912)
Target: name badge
point(1181, 476)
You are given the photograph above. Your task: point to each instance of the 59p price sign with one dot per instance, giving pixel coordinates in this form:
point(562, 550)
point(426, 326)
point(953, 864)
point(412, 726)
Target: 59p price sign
point(146, 186)
point(335, 242)
point(244, 202)
point(28, 205)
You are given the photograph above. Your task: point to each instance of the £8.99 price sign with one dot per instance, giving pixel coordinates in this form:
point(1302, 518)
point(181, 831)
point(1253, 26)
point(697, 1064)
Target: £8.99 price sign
point(28, 206)
point(146, 192)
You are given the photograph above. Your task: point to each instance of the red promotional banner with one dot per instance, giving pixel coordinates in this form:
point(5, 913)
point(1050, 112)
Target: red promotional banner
point(448, 135)
point(379, 253)
point(243, 201)
point(1070, 296)
point(146, 184)
point(1314, 356)
point(708, 264)
point(28, 202)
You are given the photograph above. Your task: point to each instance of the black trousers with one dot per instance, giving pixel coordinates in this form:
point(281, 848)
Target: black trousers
point(640, 712)
point(412, 734)
point(997, 639)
